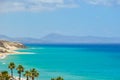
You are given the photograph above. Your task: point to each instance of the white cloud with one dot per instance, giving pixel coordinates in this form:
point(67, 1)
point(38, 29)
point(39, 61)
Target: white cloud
point(35, 5)
point(46, 5)
point(49, 1)
point(67, 6)
point(104, 2)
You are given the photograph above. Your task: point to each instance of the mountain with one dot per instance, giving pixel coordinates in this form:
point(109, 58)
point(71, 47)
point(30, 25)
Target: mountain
point(20, 39)
point(57, 38)
point(28, 40)
point(62, 39)
point(3, 37)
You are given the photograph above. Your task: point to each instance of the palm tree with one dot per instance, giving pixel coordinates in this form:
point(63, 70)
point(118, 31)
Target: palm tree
point(20, 69)
point(27, 75)
point(52, 79)
point(34, 73)
point(11, 66)
point(59, 78)
point(4, 75)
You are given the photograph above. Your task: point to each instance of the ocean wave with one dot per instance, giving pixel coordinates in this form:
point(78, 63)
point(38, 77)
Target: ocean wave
point(30, 53)
point(3, 63)
point(37, 48)
point(23, 53)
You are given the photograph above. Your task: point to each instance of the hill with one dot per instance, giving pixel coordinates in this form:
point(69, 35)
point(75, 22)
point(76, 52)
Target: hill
point(9, 47)
point(62, 39)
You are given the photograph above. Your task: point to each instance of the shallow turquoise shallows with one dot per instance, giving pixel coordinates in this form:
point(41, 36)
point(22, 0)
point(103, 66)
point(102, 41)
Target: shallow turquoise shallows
point(72, 62)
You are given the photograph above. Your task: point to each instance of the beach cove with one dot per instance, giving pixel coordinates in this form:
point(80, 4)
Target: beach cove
point(9, 48)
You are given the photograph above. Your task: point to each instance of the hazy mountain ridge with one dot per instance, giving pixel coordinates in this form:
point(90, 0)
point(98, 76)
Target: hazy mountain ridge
point(57, 39)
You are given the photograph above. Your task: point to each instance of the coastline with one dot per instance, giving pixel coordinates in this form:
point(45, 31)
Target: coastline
point(12, 52)
point(3, 55)
point(8, 48)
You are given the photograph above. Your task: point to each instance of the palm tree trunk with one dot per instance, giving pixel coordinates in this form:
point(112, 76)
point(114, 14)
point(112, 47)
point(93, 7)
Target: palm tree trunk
point(12, 73)
point(32, 78)
point(20, 76)
point(27, 78)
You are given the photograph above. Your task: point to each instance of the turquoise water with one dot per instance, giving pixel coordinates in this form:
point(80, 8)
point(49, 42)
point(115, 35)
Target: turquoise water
point(73, 62)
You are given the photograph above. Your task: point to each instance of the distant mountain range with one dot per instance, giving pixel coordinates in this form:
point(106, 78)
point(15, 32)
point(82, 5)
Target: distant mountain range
point(62, 39)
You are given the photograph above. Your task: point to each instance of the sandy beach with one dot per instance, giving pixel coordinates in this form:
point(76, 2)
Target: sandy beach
point(4, 55)
point(8, 48)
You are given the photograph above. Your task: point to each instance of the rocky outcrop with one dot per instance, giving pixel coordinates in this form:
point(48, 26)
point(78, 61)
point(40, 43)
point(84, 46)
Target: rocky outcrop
point(9, 47)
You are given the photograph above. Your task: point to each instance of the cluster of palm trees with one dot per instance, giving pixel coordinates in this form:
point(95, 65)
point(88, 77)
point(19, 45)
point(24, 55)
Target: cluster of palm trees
point(30, 74)
point(4, 75)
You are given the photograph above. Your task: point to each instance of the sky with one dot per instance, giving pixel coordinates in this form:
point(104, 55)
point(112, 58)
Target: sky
point(37, 18)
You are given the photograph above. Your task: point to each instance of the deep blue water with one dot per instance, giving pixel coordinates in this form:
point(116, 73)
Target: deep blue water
point(73, 62)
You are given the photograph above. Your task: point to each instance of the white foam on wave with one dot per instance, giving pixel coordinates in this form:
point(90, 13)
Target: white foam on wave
point(3, 56)
point(30, 53)
point(3, 63)
point(23, 53)
point(26, 53)
point(37, 48)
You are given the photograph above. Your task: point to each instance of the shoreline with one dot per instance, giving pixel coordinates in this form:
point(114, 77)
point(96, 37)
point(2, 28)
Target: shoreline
point(8, 48)
point(4, 55)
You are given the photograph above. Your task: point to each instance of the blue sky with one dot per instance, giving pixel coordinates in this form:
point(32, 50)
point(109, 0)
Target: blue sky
point(37, 18)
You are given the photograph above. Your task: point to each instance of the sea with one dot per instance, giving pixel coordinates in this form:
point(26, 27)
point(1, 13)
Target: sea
point(70, 61)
